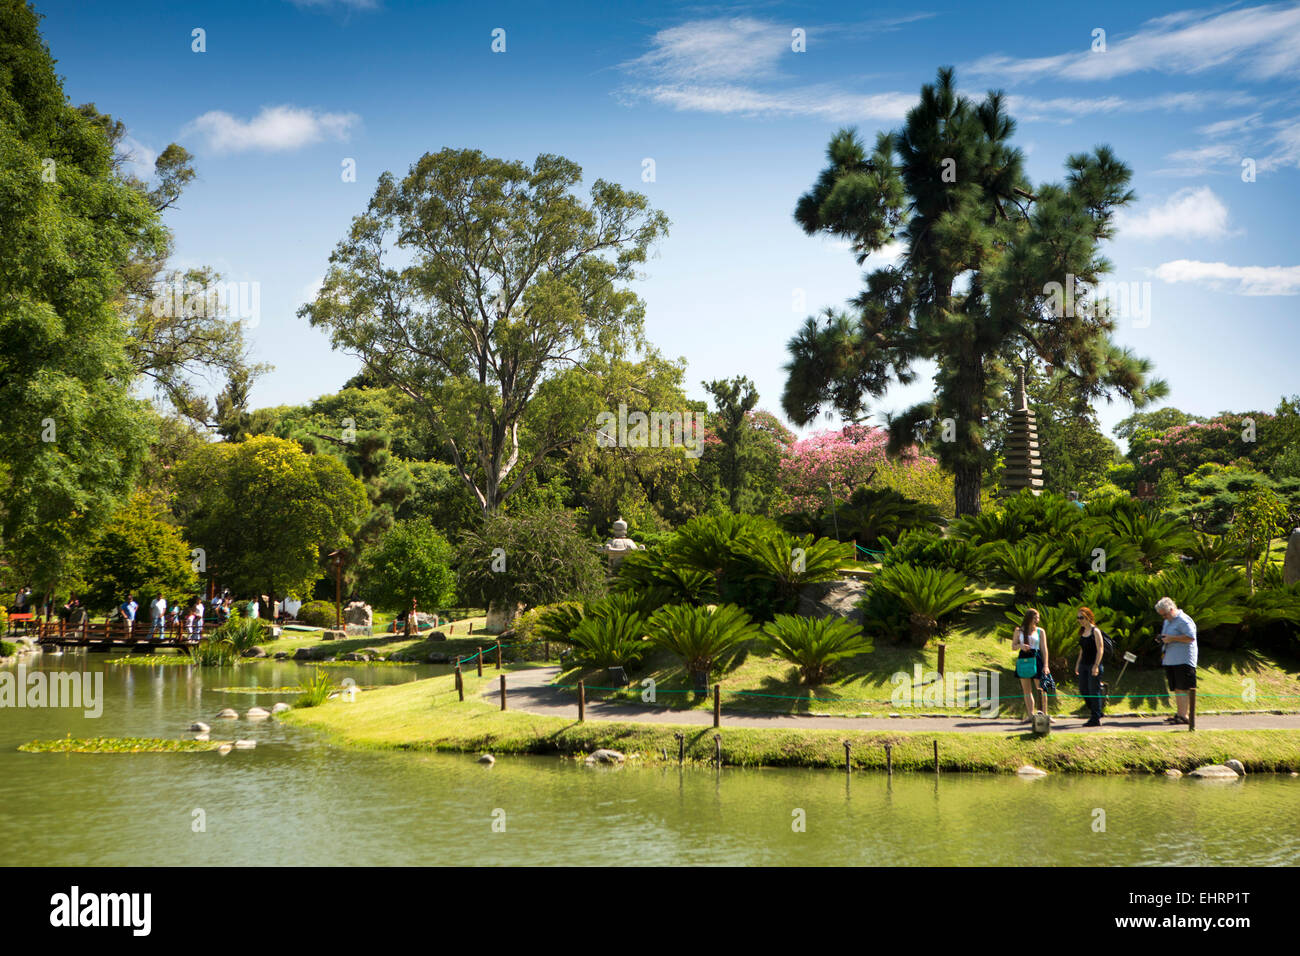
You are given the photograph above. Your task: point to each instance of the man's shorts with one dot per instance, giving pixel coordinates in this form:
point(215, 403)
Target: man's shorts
point(1180, 676)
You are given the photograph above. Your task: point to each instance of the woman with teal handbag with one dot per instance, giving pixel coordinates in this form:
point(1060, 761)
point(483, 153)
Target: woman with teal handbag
point(1030, 644)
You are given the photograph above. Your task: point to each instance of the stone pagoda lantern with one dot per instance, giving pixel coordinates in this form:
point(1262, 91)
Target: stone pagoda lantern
point(619, 546)
point(1023, 468)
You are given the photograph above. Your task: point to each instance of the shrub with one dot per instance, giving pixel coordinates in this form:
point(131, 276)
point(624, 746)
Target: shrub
point(704, 639)
point(8, 648)
point(1157, 538)
point(869, 517)
point(242, 633)
point(814, 644)
point(318, 614)
point(786, 563)
point(1021, 516)
point(925, 599)
point(315, 690)
point(529, 628)
point(609, 637)
point(1031, 567)
point(211, 652)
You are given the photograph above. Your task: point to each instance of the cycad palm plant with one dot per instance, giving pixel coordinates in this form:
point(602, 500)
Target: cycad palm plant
point(1030, 567)
point(814, 644)
point(930, 596)
point(1157, 537)
point(609, 638)
point(703, 638)
point(790, 563)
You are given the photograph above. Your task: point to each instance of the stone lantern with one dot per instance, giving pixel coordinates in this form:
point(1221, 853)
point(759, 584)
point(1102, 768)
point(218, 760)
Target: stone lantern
point(619, 546)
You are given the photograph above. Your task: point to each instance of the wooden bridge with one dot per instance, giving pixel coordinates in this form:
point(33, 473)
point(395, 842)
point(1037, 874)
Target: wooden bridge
point(113, 636)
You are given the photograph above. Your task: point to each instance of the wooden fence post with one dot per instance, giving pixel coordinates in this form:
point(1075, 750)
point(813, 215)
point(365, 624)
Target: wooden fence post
point(479, 658)
point(681, 748)
point(582, 701)
point(936, 756)
point(460, 681)
point(498, 654)
point(942, 648)
point(889, 759)
point(717, 705)
point(847, 764)
point(1191, 709)
point(503, 691)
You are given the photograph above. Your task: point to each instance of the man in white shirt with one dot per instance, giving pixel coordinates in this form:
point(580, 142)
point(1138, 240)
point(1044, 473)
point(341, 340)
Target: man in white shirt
point(197, 631)
point(158, 616)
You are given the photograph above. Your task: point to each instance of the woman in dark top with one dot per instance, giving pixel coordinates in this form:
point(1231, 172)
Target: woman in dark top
point(1088, 664)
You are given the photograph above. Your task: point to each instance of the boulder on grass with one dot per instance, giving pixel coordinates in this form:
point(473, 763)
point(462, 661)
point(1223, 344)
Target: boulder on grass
point(1236, 766)
point(604, 755)
point(254, 652)
point(280, 707)
point(833, 599)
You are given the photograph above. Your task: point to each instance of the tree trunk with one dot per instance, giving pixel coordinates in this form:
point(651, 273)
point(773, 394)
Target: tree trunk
point(966, 489)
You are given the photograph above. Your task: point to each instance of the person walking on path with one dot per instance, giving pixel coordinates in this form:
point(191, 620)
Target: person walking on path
point(1178, 637)
point(1087, 666)
point(1030, 644)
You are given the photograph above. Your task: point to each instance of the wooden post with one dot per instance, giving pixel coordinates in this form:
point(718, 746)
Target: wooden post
point(582, 701)
point(717, 705)
point(717, 751)
point(503, 691)
point(942, 648)
point(471, 627)
point(889, 759)
point(936, 756)
point(1191, 709)
point(547, 651)
point(479, 659)
point(460, 682)
point(498, 654)
point(681, 748)
point(847, 765)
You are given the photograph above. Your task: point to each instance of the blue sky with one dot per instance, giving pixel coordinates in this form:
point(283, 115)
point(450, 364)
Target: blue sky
point(736, 123)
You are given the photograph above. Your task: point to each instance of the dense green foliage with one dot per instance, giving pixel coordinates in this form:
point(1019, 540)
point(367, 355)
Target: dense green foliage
point(411, 561)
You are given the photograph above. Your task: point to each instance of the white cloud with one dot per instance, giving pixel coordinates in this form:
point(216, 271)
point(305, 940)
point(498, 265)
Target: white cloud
point(711, 50)
point(1195, 213)
point(349, 4)
point(274, 128)
point(1261, 43)
point(802, 101)
point(733, 66)
point(139, 158)
point(1240, 280)
point(1065, 108)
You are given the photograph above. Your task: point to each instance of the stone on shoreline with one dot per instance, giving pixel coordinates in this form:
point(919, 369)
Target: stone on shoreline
point(1029, 770)
point(1173, 772)
point(1236, 766)
point(487, 759)
point(1214, 771)
point(245, 744)
point(280, 707)
point(257, 713)
point(228, 714)
point(604, 755)
point(199, 727)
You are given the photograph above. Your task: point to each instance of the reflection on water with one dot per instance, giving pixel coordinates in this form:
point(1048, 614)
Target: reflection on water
point(297, 800)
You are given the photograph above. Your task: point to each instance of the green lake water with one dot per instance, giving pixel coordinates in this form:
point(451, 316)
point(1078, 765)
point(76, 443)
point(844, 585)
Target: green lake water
point(298, 800)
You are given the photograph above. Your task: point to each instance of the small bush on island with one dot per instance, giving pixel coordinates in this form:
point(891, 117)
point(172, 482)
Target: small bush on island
point(316, 689)
point(242, 633)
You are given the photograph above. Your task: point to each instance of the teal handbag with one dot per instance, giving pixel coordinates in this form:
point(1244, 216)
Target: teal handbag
point(1027, 666)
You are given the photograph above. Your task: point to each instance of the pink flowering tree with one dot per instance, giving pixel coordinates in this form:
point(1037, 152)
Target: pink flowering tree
point(845, 459)
point(1184, 448)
